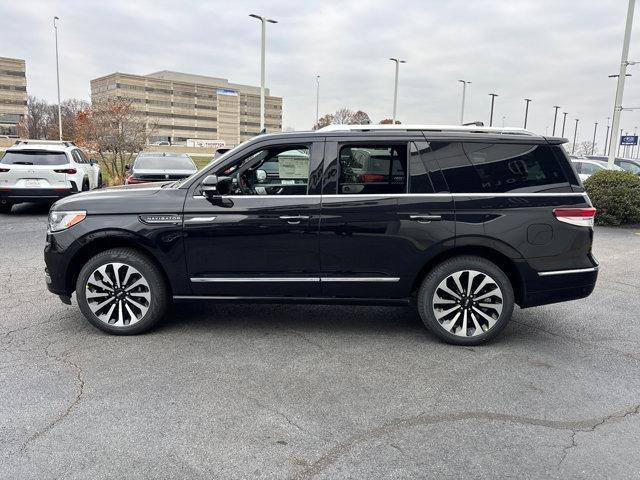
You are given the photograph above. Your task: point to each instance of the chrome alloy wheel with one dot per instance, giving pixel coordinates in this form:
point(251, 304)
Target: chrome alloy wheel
point(467, 303)
point(118, 294)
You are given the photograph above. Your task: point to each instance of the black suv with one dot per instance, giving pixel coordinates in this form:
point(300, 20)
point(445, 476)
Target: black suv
point(463, 222)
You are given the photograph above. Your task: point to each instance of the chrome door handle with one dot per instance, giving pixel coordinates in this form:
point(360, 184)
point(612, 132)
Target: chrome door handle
point(425, 218)
point(294, 219)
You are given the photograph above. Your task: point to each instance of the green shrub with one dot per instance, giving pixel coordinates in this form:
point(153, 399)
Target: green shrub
point(616, 196)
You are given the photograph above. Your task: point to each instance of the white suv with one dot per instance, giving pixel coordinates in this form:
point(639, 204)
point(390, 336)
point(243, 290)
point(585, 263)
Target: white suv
point(35, 170)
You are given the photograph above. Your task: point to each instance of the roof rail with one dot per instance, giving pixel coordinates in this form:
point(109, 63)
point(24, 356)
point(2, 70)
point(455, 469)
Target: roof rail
point(431, 128)
point(66, 143)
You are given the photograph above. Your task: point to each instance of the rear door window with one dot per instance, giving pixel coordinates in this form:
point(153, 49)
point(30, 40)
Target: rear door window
point(34, 157)
point(373, 169)
point(472, 167)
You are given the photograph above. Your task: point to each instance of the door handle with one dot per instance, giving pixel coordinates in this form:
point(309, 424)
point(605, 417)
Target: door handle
point(294, 219)
point(425, 218)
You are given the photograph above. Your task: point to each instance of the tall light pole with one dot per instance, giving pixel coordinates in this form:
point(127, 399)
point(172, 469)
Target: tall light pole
point(555, 117)
point(575, 136)
point(395, 87)
point(593, 142)
point(55, 27)
point(606, 137)
point(317, 98)
point(526, 111)
point(264, 21)
point(617, 107)
point(564, 122)
point(464, 92)
point(493, 98)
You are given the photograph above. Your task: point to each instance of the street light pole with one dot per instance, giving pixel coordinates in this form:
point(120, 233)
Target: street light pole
point(526, 111)
point(575, 136)
point(564, 121)
point(464, 92)
point(555, 117)
point(493, 98)
point(395, 87)
point(606, 137)
point(264, 21)
point(617, 107)
point(55, 27)
point(593, 142)
point(317, 98)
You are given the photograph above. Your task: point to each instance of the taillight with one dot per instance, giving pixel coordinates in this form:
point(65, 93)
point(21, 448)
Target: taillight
point(131, 179)
point(370, 177)
point(4, 170)
point(582, 217)
point(70, 171)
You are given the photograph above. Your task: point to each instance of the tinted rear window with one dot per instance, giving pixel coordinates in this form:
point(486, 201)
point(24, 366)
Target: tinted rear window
point(34, 157)
point(169, 163)
point(499, 167)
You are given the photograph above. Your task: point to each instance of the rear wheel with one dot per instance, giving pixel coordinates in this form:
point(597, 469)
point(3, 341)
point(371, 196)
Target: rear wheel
point(85, 185)
point(122, 292)
point(466, 300)
point(5, 207)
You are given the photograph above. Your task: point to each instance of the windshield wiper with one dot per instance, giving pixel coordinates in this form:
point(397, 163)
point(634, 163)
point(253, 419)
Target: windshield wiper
point(23, 163)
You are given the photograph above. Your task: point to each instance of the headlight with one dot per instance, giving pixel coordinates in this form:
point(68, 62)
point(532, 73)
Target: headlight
point(61, 220)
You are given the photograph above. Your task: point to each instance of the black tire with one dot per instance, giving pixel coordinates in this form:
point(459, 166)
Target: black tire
point(466, 306)
point(85, 185)
point(157, 291)
point(6, 207)
point(100, 183)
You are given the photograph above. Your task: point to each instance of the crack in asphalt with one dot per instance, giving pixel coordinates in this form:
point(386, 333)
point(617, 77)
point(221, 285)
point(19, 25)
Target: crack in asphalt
point(277, 412)
point(80, 383)
point(342, 448)
point(615, 416)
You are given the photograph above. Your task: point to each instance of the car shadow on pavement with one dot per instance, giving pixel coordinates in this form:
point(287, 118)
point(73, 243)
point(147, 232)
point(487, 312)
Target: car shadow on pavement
point(30, 209)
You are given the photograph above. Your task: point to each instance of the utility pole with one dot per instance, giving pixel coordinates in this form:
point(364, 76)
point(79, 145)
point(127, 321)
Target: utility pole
point(395, 87)
point(493, 98)
point(317, 98)
point(264, 21)
point(564, 121)
point(593, 142)
point(464, 92)
point(526, 111)
point(606, 137)
point(55, 27)
point(617, 107)
point(575, 136)
point(555, 117)
point(619, 139)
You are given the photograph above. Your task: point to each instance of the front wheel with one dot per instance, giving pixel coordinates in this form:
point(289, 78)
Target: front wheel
point(122, 292)
point(466, 300)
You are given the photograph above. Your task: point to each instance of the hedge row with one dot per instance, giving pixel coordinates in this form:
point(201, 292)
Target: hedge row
point(616, 196)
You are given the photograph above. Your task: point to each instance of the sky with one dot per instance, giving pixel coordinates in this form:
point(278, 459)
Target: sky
point(555, 52)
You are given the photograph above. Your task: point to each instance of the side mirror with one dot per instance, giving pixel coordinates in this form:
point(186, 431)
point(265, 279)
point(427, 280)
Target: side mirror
point(215, 186)
point(127, 167)
point(93, 162)
point(261, 176)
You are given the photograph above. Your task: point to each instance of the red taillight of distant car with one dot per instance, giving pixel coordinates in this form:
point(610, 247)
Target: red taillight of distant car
point(131, 180)
point(370, 177)
point(69, 171)
point(4, 170)
point(582, 217)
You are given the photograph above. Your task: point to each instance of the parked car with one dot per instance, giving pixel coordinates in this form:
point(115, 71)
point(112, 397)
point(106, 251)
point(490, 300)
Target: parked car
point(629, 164)
point(35, 171)
point(160, 167)
point(585, 167)
point(461, 222)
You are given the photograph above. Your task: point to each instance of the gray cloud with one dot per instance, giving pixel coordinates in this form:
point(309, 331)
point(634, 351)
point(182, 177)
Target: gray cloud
point(555, 52)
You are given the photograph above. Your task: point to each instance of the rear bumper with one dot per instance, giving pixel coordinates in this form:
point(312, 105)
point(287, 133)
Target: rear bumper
point(16, 195)
point(559, 286)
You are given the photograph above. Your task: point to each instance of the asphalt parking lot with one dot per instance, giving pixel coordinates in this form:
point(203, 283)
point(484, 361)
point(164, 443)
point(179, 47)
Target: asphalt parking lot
point(316, 392)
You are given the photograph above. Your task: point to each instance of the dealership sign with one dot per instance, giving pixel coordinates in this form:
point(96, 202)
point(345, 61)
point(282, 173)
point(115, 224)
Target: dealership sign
point(227, 91)
point(629, 140)
point(203, 143)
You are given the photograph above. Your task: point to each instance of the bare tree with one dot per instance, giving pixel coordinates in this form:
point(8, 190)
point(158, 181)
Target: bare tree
point(115, 131)
point(344, 116)
point(70, 109)
point(35, 124)
point(582, 148)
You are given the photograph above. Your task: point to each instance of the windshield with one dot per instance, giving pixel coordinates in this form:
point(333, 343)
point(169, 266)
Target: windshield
point(34, 157)
point(164, 163)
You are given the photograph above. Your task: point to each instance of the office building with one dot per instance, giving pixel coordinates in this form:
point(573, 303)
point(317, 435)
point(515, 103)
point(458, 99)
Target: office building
point(13, 94)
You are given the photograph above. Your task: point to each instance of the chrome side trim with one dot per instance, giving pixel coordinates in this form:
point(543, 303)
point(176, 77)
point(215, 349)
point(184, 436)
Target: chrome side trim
point(567, 272)
point(199, 219)
point(420, 195)
point(291, 279)
point(359, 279)
point(252, 279)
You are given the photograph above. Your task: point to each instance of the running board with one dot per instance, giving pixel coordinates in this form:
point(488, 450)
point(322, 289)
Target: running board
point(300, 300)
